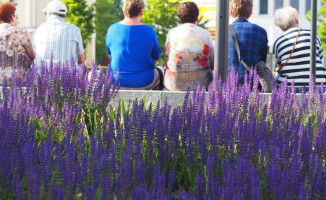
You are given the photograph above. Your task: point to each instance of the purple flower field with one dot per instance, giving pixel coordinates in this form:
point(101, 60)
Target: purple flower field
point(60, 140)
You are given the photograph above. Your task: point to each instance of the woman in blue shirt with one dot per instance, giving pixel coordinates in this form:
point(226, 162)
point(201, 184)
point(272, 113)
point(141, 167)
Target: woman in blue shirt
point(133, 49)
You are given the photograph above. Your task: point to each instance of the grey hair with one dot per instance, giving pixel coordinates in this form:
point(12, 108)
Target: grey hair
point(285, 17)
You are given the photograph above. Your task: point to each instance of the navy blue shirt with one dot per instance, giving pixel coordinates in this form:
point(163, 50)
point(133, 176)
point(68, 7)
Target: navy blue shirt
point(253, 46)
point(133, 49)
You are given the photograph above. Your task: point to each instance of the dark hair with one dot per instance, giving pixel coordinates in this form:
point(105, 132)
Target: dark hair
point(188, 12)
point(7, 10)
point(132, 8)
point(241, 8)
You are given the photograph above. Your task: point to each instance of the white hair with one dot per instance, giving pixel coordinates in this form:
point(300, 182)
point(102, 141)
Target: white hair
point(285, 17)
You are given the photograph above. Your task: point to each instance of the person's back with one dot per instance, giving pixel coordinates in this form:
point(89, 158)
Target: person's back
point(251, 37)
point(58, 38)
point(295, 65)
point(15, 45)
point(189, 52)
point(131, 50)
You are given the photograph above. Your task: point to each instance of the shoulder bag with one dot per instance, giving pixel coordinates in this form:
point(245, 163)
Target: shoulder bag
point(295, 43)
point(264, 73)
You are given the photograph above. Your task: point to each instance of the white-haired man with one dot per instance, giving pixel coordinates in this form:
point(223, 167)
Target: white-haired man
point(292, 51)
point(58, 37)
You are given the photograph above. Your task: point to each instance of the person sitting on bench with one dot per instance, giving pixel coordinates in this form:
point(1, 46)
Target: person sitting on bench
point(134, 49)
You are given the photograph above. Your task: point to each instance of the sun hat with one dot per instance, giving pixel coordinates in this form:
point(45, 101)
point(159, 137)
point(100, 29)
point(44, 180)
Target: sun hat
point(56, 6)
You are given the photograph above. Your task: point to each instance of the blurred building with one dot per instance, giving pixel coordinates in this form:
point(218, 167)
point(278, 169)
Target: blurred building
point(31, 16)
point(263, 12)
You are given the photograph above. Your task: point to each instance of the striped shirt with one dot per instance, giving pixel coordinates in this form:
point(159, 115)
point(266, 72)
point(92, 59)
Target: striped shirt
point(298, 67)
point(60, 38)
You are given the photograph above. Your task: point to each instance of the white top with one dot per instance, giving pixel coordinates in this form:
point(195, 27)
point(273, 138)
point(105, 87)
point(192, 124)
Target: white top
point(60, 38)
point(189, 53)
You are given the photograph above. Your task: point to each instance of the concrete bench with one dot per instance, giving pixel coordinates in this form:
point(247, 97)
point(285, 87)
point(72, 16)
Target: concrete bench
point(173, 98)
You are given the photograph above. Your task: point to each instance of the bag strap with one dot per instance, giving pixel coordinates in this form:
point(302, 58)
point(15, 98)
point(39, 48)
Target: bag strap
point(237, 47)
point(161, 75)
point(295, 43)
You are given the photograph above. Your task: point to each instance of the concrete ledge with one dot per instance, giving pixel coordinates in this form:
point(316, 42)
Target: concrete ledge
point(152, 96)
point(174, 99)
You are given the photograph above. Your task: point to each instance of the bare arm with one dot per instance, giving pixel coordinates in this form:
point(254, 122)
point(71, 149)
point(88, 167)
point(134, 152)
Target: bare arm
point(30, 52)
point(80, 58)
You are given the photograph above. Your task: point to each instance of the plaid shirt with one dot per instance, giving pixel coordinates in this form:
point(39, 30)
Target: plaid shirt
point(253, 46)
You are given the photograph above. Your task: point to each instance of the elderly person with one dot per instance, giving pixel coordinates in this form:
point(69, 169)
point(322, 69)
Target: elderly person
point(292, 51)
point(133, 49)
point(58, 38)
point(189, 52)
point(251, 37)
point(15, 45)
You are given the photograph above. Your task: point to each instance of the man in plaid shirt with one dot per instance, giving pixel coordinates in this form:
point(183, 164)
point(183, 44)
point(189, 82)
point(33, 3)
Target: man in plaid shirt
point(251, 37)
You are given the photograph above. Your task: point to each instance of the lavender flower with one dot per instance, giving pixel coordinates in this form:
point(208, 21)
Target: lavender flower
point(57, 140)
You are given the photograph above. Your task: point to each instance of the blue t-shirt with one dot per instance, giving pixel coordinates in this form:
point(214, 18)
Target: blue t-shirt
point(133, 49)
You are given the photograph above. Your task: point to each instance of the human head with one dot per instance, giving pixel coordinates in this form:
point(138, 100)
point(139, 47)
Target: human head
point(7, 12)
point(188, 12)
point(56, 7)
point(241, 8)
point(286, 18)
point(133, 8)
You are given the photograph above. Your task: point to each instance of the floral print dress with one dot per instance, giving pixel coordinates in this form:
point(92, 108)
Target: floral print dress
point(189, 53)
point(12, 51)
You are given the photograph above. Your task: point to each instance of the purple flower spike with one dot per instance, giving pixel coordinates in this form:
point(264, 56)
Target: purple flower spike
point(201, 187)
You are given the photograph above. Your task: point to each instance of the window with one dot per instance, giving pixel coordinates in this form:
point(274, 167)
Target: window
point(14, 1)
point(295, 4)
point(263, 8)
point(278, 4)
point(308, 5)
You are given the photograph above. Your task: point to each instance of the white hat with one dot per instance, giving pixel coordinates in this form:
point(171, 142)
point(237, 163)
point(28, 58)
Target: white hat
point(56, 6)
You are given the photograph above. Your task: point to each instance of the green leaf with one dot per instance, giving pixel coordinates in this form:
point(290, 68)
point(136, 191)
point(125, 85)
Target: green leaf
point(321, 17)
point(107, 13)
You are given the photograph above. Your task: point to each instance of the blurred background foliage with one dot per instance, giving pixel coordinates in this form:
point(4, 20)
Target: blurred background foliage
point(162, 16)
point(321, 23)
point(107, 13)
